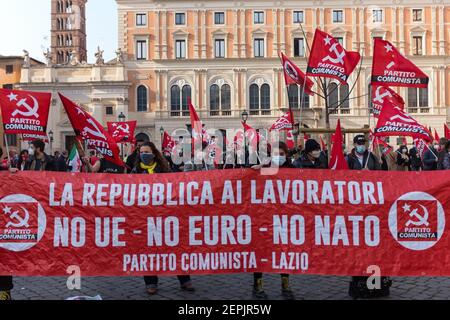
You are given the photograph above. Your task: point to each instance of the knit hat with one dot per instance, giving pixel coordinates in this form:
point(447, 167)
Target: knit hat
point(311, 145)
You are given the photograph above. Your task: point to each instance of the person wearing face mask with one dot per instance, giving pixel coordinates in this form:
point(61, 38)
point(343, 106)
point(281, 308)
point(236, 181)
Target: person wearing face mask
point(312, 157)
point(38, 160)
point(23, 157)
point(430, 157)
point(133, 157)
point(403, 159)
point(442, 153)
point(150, 161)
point(360, 158)
point(278, 159)
point(446, 161)
point(416, 161)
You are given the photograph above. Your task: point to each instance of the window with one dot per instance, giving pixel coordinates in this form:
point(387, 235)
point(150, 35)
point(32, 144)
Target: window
point(417, 46)
point(179, 100)
point(377, 15)
point(417, 15)
point(258, 17)
point(298, 17)
point(219, 50)
point(299, 47)
point(141, 50)
point(11, 139)
point(141, 98)
point(8, 86)
point(141, 19)
point(219, 18)
point(220, 100)
point(418, 100)
point(9, 69)
point(258, 47)
point(259, 99)
point(338, 98)
point(180, 49)
point(338, 16)
point(340, 40)
point(109, 110)
point(180, 19)
point(294, 93)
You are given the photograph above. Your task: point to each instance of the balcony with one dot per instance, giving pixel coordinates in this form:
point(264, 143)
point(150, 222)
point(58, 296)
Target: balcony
point(230, 113)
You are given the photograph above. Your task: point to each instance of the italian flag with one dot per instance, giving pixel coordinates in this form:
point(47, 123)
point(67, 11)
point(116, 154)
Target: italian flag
point(74, 159)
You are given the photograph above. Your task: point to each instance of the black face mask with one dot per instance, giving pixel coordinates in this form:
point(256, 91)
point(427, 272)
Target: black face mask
point(147, 158)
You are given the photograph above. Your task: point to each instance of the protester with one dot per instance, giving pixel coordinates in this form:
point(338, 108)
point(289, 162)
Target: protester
point(430, 157)
point(360, 158)
point(442, 153)
point(416, 162)
point(278, 159)
point(102, 166)
point(133, 157)
point(61, 161)
point(151, 161)
point(23, 157)
point(312, 157)
point(403, 159)
point(446, 161)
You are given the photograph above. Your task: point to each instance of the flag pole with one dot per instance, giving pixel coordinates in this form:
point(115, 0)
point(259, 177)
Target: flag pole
point(7, 150)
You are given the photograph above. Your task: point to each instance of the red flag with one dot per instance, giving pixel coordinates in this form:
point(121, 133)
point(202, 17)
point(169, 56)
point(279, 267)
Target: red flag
point(168, 143)
point(446, 131)
point(329, 59)
point(290, 139)
point(420, 146)
point(323, 144)
point(386, 148)
point(383, 96)
point(404, 141)
point(391, 68)
point(395, 122)
point(89, 129)
point(252, 136)
point(196, 125)
point(294, 75)
point(122, 132)
point(284, 122)
point(436, 136)
point(25, 112)
point(337, 159)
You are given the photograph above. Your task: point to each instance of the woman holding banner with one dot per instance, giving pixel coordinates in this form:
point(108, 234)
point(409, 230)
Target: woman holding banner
point(150, 161)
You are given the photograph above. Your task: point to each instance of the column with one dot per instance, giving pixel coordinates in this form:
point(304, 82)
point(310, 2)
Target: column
point(432, 96)
point(275, 88)
point(314, 18)
point(164, 34)
point(322, 18)
point(203, 34)
point(157, 31)
point(402, 30)
point(237, 103)
point(441, 32)
point(394, 26)
point(97, 110)
point(282, 31)
point(433, 31)
point(354, 31)
point(158, 90)
point(163, 90)
point(362, 40)
point(275, 33)
point(443, 86)
point(235, 34)
point(243, 35)
point(196, 34)
point(244, 88)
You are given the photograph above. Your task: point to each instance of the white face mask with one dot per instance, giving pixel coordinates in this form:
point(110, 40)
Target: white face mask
point(315, 154)
point(436, 147)
point(278, 160)
point(31, 151)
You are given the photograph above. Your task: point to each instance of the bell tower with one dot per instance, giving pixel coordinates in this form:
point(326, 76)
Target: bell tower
point(68, 30)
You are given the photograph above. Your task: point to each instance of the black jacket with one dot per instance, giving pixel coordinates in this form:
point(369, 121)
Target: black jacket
point(304, 163)
point(139, 170)
point(48, 164)
point(354, 164)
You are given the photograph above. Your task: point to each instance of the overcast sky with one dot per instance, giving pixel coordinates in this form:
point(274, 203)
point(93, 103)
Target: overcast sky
point(25, 24)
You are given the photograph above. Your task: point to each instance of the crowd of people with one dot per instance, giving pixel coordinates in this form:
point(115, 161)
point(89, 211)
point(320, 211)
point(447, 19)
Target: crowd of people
point(148, 159)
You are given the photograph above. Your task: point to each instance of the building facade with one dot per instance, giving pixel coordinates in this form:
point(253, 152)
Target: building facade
point(10, 73)
point(68, 30)
point(224, 55)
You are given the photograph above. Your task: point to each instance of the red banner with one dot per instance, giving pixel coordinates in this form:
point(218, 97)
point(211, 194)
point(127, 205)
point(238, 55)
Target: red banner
point(25, 112)
point(329, 59)
point(297, 221)
point(122, 131)
point(294, 75)
point(391, 68)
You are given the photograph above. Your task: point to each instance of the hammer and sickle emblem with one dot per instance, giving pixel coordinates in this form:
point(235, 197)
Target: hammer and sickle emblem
point(290, 70)
point(96, 132)
point(421, 220)
point(405, 117)
point(379, 97)
point(32, 111)
point(125, 128)
point(339, 55)
point(21, 221)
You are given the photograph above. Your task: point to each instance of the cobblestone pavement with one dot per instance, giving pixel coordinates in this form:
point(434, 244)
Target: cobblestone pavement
point(221, 287)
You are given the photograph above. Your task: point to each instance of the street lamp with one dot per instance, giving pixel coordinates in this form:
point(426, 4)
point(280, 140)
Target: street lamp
point(121, 118)
point(244, 116)
point(51, 137)
point(161, 131)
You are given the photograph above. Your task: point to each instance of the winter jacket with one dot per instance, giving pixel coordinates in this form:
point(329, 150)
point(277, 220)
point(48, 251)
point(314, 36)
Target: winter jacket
point(354, 164)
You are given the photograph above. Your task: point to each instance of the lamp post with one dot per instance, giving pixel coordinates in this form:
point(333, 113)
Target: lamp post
point(244, 117)
point(121, 118)
point(161, 131)
point(51, 137)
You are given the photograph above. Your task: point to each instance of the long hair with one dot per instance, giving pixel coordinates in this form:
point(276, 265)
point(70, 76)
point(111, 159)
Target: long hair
point(159, 158)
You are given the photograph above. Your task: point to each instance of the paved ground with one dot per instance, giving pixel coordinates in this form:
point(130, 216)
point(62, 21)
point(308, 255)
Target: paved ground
point(221, 287)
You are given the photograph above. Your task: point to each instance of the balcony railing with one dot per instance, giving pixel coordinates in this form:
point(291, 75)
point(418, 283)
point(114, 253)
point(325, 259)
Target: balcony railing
point(419, 110)
point(236, 113)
